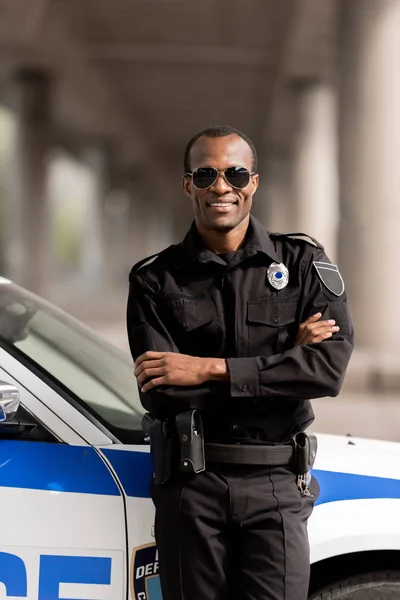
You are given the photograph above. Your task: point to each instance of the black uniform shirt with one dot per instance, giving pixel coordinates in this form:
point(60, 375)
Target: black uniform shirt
point(192, 301)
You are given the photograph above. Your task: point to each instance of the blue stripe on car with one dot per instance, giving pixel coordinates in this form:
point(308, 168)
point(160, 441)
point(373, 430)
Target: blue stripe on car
point(54, 467)
point(133, 469)
point(79, 469)
point(348, 486)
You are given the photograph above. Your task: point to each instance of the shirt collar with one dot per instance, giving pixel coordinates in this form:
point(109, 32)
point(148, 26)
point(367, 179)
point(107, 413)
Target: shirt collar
point(257, 240)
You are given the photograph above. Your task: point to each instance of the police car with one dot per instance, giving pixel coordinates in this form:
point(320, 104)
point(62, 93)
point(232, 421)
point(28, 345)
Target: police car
point(76, 520)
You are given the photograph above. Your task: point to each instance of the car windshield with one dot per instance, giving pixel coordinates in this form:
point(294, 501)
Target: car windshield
point(95, 373)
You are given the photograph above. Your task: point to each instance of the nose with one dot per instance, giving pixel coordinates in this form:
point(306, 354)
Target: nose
point(221, 186)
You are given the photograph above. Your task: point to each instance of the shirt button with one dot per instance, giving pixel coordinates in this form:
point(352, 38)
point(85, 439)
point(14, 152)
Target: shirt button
point(244, 388)
point(185, 324)
point(276, 320)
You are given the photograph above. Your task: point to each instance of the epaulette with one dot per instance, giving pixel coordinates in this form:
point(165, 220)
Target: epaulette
point(144, 261)
point(299, 236)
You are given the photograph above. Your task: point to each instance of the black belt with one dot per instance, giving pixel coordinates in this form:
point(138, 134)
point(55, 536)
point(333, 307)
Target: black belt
point(239, 454)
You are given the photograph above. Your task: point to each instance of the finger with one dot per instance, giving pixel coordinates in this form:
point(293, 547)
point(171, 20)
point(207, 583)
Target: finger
point(303, 328)
point(140, 359)
point(301, 333)
point(301, 336)
point(321, 338)
point(313, 318)
point(148, 364)
point(154, 383)
point(323, 329)
point(149, 355)
point(150, 373)
point(318, 324)
point(320, 332)
point(315, 329)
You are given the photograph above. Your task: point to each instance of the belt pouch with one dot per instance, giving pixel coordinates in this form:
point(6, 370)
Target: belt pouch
point(305, 451)
point(161, 451)
point(189, 427)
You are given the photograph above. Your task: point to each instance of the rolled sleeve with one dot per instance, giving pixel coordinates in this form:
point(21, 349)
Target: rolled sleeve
point(244, 376)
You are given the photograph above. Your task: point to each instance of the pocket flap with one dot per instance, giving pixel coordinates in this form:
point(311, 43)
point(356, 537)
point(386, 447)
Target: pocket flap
point(192, 314)
point(274, 314)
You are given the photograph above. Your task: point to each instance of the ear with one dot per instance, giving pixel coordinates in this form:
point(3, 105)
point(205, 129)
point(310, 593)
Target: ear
point(186, 181)
point(254, 182)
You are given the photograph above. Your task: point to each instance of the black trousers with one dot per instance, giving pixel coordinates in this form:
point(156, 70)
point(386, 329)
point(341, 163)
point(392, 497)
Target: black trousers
point(233, 532)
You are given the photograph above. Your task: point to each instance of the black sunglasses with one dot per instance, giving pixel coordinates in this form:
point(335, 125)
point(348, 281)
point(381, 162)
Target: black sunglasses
point(205, 177)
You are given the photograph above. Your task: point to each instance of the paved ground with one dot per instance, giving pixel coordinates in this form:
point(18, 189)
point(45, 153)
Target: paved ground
point(359, 414)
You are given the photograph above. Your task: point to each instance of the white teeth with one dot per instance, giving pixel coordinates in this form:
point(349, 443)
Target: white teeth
point(221, 204)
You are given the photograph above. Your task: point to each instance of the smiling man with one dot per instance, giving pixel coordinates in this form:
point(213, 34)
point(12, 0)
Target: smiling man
point(233, 331)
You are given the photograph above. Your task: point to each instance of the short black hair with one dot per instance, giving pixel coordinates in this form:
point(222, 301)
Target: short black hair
point(216, 131)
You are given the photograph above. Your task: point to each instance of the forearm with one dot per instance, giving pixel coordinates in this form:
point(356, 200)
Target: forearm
point(164, 400)
point(308, 371)
point(197, 383)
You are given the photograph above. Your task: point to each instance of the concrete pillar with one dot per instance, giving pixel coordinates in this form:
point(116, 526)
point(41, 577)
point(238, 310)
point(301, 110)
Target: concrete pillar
point(369, 170)
point(27, 236)
point(117, 209)
point(271, 204)
point(314, 170)
point(7, 128)
point(134, 250)
point(155, 215)
point(93, 247)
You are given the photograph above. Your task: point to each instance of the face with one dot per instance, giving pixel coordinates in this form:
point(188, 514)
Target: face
point(221, 207)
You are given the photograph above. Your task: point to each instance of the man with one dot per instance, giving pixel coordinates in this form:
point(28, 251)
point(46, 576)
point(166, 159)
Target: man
point(246, 327)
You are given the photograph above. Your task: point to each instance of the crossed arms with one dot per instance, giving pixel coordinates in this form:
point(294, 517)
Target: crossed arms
point(310, 369)
point(153, 369)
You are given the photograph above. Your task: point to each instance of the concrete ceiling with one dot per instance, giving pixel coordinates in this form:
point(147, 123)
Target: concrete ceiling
point(140, 77)
point(145, 75)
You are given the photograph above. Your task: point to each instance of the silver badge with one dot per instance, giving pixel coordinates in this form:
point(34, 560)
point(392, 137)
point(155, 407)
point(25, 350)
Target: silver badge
point(278, 275)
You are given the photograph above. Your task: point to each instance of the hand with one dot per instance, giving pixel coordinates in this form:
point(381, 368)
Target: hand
point(170, 368)
point(313, 330)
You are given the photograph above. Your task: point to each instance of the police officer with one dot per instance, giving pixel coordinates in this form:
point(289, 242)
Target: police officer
point(242, 327)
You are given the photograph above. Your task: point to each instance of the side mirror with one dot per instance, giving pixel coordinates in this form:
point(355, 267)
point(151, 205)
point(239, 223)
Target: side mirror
point(9, 401)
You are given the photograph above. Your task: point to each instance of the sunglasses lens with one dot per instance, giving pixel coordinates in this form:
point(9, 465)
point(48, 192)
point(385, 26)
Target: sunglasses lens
point(238, 177)
point(204, 177)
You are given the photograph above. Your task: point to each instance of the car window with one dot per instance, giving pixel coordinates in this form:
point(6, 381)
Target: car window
point(99, 375)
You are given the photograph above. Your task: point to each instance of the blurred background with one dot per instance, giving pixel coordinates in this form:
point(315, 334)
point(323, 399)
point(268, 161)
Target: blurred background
point(98, 100)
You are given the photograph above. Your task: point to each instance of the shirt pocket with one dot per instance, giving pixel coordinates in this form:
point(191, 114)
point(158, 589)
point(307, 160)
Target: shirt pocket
point(195, 326)
point(272, 326)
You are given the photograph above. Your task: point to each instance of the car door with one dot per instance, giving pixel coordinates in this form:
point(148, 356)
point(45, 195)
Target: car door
point(63, 531)
point(132, 465)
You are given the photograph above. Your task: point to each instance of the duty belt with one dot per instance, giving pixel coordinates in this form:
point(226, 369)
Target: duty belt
point(239, 454)
point(187, 430)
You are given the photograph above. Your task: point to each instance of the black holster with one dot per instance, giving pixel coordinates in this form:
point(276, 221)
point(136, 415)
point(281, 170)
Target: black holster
point(161, 446)
point(189, 427)
point(305, 451)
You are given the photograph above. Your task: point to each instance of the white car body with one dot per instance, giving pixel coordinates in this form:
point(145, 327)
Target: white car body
point(77, 519)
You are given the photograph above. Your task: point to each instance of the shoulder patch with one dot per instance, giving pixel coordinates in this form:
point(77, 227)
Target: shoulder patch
point(330, 277)
point(300, 236)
